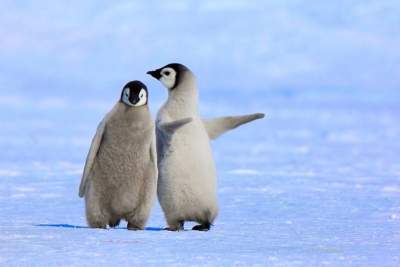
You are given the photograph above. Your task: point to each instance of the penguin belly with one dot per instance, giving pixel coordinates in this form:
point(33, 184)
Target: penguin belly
point(125, 176)
point(187, 176)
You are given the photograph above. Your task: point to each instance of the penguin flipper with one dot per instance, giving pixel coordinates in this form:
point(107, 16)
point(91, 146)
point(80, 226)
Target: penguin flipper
point(218, 126)
point(94, 148)
point(171, 127)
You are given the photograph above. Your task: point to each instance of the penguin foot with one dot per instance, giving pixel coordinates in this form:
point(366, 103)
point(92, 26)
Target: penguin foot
point(114, 224)
point(178, 227)
point(202, 227)
point(133, 227)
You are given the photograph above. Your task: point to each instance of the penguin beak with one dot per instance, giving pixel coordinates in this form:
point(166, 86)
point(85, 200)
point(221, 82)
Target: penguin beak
point(134, 100)
point(155, 73)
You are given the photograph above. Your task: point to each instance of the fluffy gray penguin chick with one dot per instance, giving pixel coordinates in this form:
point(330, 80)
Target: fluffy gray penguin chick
point(187, 174)
point(120, 175)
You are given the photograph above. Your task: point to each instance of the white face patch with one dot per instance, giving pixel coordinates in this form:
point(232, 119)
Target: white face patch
point(168, 77)
point(125, 97)
point(142, 98)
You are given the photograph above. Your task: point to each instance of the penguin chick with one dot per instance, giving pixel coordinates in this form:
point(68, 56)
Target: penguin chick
point(187, 174)
point(120, 175)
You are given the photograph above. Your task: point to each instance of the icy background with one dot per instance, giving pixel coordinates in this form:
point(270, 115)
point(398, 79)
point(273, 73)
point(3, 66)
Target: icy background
point(315, 183)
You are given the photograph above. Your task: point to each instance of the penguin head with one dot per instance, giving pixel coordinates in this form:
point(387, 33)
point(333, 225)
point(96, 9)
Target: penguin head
point(169, 75)
point(134, 94)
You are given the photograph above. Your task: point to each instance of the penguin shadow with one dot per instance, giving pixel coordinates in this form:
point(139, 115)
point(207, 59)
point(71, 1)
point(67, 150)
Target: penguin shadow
point(71, 226)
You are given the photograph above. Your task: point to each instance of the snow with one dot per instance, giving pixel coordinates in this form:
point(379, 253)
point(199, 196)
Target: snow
point(312, 185)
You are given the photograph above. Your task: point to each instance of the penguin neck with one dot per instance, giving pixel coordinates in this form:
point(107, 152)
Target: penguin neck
point(184, 96)
point(132, 113)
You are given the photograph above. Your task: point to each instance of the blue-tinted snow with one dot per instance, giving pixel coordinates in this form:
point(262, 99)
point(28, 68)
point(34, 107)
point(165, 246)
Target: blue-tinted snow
point(315, 183)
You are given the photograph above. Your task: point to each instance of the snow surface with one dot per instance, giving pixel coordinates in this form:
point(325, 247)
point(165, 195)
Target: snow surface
point(315, 183)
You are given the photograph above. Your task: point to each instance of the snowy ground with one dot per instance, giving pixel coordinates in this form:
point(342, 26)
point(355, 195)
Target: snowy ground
point(316, 183)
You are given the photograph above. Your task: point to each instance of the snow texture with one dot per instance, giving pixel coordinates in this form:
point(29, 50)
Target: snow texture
point(315, 183)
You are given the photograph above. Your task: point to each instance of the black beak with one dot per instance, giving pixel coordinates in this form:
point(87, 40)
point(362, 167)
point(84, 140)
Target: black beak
point(155, 73)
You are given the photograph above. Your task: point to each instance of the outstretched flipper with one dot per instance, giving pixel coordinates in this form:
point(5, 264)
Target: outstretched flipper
point(171, 127)
point(94, 148)
point(218, 126)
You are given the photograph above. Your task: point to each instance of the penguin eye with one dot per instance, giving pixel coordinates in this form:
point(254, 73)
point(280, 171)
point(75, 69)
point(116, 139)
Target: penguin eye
point(167, 73)
point(127, 92)
point(141, 95)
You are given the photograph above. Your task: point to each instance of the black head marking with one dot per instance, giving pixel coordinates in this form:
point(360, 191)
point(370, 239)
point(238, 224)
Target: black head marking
point(177, 67)
point(134, 89)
